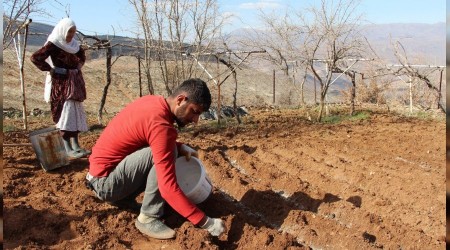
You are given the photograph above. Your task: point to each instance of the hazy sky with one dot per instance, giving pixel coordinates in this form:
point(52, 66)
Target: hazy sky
point(106, 16)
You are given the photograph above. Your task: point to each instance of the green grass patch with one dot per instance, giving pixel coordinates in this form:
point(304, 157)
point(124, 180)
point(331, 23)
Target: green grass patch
point(425, 115)
point(332, 119)
point(422, 115)
point(9, 128)
point(363, 115)
point(358, 116)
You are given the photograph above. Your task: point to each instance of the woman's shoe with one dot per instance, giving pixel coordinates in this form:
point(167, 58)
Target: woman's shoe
point(85, 152)
point(74, 154)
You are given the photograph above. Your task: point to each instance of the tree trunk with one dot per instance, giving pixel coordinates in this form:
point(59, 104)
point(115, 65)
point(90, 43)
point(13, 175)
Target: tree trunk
point(315, 91)
point(151, 91)
point(321, 107)
point(353, 94)
point(140, 79)
point(302, 89)
point(273, 101)
point(236, 113)
point(108, 82)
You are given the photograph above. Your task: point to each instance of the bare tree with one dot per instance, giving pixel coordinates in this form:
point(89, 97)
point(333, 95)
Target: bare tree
point(170, 11)
point(15, 24)
point(141, 8)
point(16, 13)
point(279, 39)
point(174, 28)
point(328, 32)
point(422, 74)
point(333, 38)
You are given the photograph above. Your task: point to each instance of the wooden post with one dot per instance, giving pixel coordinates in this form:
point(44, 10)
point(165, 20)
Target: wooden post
point(315, 90)
point(273, 101)
point(440, 89)
point(353, 94)
point(22, 79)
point(140, 79)
point(235, 98)
point(322, 91)
point(410, 96)
point(219, 106)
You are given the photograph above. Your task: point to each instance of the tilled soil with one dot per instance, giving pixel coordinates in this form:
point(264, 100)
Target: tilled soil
point(280, 182)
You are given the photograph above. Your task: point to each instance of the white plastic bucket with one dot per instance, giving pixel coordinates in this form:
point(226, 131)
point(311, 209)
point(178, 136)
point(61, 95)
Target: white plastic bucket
point(49, 148)
point(192, 179)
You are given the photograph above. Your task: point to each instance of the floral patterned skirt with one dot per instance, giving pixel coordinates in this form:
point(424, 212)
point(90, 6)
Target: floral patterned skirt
point(73, 117)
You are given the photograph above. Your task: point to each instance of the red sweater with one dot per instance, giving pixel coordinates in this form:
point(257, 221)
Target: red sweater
point(145, 122)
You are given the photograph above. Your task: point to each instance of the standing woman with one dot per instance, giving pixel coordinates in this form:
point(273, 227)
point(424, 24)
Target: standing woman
point(63, 58)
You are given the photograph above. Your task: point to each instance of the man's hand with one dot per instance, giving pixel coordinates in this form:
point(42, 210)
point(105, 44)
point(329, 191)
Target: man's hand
point(187, 152)
point(214, 226)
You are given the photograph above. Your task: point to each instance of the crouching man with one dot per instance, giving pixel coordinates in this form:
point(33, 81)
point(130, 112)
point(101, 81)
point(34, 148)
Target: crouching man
point(137, 151)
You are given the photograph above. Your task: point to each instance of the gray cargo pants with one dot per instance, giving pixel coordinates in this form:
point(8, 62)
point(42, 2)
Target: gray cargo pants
point(133, 175)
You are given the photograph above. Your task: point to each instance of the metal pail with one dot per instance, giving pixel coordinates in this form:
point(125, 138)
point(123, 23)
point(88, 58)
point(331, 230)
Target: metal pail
point(49, 148)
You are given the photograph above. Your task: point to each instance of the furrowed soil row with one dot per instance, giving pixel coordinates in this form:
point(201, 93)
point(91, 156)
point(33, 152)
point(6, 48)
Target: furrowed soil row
point(263, 162)
point(271, 201)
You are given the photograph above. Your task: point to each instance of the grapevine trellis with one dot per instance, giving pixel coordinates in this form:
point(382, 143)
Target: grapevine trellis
point(414, 74)
point(408, 70)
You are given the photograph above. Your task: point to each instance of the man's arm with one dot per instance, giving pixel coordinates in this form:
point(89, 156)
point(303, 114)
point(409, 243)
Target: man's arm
point(163, 142)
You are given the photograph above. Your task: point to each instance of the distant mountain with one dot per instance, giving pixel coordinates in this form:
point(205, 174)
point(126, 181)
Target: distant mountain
point(38, 33)
point(422, 40)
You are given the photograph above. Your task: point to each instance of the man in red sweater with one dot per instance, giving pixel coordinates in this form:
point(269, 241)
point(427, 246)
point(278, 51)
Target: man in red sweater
point(137, 151)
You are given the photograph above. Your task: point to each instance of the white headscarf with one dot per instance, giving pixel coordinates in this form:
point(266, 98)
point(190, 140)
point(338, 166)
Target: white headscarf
point(59, 33)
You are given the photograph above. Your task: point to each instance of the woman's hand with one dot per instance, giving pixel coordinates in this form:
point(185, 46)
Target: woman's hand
point(58, 71)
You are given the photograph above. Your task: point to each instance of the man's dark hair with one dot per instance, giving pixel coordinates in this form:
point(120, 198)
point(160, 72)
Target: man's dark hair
point(196, 91)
